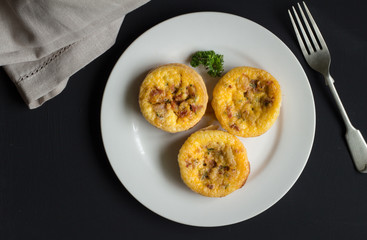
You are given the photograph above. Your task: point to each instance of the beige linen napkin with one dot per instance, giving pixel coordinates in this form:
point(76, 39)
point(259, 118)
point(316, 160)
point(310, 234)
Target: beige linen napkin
point(43, 43)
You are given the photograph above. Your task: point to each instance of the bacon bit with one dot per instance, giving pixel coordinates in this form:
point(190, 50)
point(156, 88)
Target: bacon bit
point(195, 108)
point(187, 163)
point(212, 164)
point(156, 91)
point(228, 111)
point(230, 86)
point(225, 168)
point(183, 113)
point(234, 126)
point(267, 101)
point(156, 95)
point(174, 106)
point(210, 186)
point(179, 97)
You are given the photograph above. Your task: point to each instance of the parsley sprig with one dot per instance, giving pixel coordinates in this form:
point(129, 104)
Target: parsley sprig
point(212, 62)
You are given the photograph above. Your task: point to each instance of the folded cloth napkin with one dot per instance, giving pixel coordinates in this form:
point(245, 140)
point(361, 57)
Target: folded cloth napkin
point(43, 43)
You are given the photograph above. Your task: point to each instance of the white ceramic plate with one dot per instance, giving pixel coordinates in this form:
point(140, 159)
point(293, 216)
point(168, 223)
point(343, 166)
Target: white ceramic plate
point(145, 158)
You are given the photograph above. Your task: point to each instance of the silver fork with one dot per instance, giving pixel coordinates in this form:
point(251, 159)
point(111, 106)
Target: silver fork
point(317, 55)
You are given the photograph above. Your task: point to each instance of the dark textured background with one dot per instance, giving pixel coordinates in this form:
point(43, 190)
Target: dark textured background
point(56, 181)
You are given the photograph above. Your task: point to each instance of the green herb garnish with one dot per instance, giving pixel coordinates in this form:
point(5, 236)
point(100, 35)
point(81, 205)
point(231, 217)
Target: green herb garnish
point(212, 62)
point(205, 175)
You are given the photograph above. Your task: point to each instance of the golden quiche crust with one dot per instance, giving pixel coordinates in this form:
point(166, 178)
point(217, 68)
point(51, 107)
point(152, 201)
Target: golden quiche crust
point(173, 97)
point(247, 101)
point(213, 163)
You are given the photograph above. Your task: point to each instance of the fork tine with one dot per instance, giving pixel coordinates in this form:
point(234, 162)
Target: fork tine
point(315, 27)
point(299, 38)
point(304, 35)
point(314, 41)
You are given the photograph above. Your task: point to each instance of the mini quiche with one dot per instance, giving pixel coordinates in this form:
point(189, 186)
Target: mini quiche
point(213, 163)
point(247, 101)
point(173, 97)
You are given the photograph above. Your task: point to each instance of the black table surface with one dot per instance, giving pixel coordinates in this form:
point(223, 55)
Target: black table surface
point(56, 181)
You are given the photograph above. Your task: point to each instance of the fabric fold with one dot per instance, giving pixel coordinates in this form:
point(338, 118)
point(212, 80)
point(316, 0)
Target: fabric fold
point(43, 55)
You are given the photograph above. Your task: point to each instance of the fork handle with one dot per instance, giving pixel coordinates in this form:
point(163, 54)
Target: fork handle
point(358, 149)
point(357, 145)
